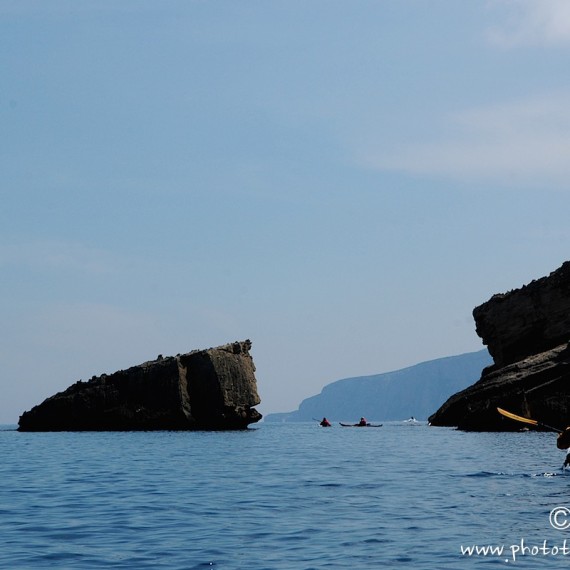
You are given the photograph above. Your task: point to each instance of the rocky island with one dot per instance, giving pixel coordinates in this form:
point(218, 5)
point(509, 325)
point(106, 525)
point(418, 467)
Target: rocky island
point(527, 333)
point(203, 389)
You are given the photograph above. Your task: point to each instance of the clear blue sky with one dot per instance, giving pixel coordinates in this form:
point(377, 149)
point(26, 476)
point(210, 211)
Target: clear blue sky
point(341, 182)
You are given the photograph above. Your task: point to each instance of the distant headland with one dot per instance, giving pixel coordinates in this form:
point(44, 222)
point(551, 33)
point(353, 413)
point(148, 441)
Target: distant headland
point(413, 391)
point(203, 389)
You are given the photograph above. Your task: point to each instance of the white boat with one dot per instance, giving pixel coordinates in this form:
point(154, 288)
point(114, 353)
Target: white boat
point(412, 421)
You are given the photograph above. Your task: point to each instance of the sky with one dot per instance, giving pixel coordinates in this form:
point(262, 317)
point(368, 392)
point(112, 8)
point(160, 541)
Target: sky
point(340, 182)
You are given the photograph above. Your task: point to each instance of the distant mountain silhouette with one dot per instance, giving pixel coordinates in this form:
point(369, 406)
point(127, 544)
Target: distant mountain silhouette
point(414, 391)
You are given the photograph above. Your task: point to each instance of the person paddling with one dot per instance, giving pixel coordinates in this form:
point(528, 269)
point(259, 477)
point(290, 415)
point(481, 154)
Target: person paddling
point(563, 442)
point(325, 423)
point(362, 422)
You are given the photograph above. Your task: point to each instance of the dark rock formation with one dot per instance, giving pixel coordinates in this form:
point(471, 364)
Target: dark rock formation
point(527, 332)
point(526, 321)
point(203, 389)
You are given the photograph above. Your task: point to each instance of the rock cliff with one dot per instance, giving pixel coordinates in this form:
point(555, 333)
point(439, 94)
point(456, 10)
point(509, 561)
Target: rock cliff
point(413, 391)
point(527, 333)
point(203, 389)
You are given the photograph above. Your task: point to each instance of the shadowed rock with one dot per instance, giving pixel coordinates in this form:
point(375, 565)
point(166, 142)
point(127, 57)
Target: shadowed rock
point(203, 389)
point(527, 332)
point(526, 321)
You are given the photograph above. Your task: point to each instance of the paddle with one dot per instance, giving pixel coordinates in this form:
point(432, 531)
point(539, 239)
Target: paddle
point(536, 423)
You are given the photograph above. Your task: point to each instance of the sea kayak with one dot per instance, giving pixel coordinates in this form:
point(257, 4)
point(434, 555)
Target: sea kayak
point(358, 425)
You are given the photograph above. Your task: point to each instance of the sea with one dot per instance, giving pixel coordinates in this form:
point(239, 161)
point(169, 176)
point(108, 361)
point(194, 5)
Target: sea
point(283, 496)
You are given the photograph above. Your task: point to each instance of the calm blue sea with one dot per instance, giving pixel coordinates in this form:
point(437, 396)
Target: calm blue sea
point(282, 496)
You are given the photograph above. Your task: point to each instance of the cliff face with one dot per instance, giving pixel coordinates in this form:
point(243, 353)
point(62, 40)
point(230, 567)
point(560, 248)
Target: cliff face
point(527, 333)
point(203, 389)
point(526, 321)
point(397, 395)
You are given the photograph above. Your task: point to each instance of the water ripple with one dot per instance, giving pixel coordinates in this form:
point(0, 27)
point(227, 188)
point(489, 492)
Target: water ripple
point(282, 497)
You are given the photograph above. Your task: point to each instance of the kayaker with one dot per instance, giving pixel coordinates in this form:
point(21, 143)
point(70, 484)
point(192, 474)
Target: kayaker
point(563, 442)
point(362, 422)
point(325, 423)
